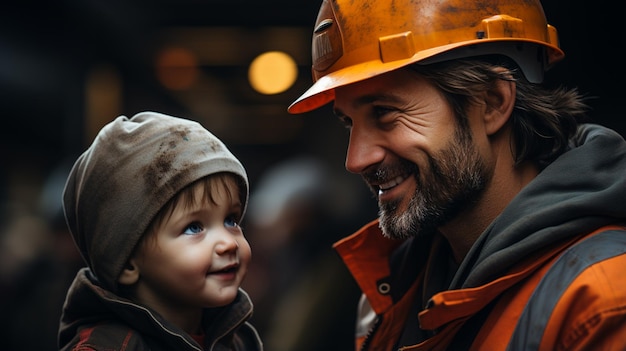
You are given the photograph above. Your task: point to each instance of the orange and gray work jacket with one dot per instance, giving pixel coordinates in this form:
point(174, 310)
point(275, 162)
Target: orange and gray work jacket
point(549, 273)
point(569, 297)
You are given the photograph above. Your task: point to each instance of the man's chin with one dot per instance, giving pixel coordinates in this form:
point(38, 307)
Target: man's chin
point(394, 227)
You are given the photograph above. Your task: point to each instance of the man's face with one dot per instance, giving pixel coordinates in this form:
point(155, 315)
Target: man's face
point(407, 145)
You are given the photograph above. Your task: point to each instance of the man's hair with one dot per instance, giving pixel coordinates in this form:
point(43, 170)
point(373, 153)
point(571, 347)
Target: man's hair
point(543, 119)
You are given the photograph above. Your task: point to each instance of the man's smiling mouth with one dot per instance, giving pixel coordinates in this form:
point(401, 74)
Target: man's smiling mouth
point(392, 183)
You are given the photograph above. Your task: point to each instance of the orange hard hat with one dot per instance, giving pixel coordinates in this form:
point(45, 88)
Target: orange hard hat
point(355, 40)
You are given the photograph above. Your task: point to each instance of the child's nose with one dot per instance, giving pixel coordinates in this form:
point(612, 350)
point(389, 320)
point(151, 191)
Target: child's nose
point(227, 243)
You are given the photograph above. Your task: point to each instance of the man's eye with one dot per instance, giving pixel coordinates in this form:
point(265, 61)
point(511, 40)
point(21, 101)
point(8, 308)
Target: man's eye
point(381, 111)
point(193, 229)
point(345, 121)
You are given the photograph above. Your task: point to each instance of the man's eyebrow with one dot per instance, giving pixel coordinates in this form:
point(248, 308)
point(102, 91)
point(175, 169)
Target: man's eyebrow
point(365, 100)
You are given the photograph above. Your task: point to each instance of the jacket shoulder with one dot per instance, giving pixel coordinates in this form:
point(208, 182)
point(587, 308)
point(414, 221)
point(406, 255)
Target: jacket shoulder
point(585, 293)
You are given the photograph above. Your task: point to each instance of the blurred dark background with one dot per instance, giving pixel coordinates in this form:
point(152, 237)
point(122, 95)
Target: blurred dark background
point(69, 67)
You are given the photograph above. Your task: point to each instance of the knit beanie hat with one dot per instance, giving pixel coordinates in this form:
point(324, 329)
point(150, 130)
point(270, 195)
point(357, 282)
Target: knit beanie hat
point(131, 170)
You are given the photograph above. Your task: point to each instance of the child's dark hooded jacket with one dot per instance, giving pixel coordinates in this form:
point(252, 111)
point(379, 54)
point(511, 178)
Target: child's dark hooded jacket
point(95, 316)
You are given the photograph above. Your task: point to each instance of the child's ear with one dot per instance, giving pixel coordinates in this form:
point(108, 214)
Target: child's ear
point(130, 274)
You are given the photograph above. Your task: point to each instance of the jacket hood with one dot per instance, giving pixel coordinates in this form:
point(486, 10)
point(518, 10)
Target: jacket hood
point(580, 191)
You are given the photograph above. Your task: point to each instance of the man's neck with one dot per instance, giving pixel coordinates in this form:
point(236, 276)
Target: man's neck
point(465, 229)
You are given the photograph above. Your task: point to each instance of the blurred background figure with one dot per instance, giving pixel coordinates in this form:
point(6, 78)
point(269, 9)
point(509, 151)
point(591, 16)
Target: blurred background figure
point(38, 261)
point(302, 292)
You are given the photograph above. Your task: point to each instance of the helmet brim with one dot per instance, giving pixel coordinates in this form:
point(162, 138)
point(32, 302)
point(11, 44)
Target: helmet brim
point(322, 91)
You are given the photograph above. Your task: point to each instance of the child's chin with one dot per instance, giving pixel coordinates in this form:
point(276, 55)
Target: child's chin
point(223, 299)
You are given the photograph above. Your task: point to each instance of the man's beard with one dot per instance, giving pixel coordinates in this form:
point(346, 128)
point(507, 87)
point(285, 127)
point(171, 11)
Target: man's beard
point(455, 179)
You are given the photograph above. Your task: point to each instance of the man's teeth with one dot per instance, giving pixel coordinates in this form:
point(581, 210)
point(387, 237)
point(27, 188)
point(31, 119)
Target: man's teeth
point(390, 184)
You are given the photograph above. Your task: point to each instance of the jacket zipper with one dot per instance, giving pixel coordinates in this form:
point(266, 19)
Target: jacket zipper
point(370, 333)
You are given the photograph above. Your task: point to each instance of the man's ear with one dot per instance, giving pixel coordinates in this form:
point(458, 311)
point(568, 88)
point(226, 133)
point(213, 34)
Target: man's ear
point(130, 274)
point(499, 101)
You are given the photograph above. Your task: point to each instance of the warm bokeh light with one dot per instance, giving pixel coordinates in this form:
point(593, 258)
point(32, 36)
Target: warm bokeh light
point(104, 98)
point(272, 72)
point(177, 68)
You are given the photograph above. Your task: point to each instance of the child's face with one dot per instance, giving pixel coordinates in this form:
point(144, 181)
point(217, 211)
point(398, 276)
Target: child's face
point(198, 257)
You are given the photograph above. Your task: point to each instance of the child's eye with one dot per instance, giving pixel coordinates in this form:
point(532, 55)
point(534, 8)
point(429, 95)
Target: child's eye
point(231, 221)
point(193, 229)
